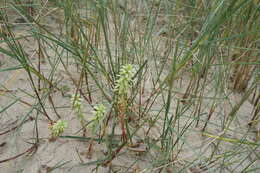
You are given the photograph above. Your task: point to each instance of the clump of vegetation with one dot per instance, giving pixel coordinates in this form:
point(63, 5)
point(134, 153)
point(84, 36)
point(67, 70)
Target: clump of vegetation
point(172, 85)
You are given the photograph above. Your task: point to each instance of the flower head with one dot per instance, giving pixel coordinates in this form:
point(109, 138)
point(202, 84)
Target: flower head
point(76, 100)
point(124, 81)
point(58, 128)
point(98, 116)
point(99, 111)
point(76, 104)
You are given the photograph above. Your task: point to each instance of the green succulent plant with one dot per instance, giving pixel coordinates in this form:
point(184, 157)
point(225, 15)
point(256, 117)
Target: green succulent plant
point(58, 128)
point(76, 105)
point(98, 116)
point(125, 79)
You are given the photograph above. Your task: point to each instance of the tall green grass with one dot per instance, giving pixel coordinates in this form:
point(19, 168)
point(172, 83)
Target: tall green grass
point(190, 59)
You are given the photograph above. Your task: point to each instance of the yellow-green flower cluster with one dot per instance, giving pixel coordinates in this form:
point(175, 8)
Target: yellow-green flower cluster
point(76, 104)
point(124, 81)
point(58, 128)
point(98, 116)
